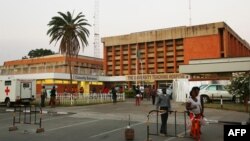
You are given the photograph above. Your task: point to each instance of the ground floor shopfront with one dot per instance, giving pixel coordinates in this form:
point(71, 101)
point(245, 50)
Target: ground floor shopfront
point(64, 86)
point(61, 81)
point(96, 84)
point(181, 83)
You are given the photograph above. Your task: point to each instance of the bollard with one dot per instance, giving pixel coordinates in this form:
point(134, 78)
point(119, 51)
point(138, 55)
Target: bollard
point(40, 129)
point(13, 128)
point(35, 114)
point(19, 118)
point(157, 132)
point(175, 122)
point(24, 119)
point(30, 112)
point(185, 123)
point(129, 132)
point(221, 102)
point(71, 99)
point(212, 98)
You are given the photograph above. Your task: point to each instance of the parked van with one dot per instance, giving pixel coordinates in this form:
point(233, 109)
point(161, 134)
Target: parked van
point(17, 90)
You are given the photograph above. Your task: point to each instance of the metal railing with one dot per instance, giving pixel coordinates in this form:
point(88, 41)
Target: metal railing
point(79, 99)
point(174, 113)
point(27, 114)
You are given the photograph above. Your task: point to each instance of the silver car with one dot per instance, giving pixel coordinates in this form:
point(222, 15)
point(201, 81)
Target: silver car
point(215, 92)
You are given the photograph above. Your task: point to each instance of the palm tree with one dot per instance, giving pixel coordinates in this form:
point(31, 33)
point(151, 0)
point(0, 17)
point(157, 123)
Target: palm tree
point(71, 32)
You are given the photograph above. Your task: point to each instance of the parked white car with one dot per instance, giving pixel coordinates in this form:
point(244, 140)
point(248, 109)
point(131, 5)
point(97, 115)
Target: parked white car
point(215, 92)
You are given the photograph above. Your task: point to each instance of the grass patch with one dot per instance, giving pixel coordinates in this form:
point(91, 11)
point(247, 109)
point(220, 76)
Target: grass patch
point(228, 106)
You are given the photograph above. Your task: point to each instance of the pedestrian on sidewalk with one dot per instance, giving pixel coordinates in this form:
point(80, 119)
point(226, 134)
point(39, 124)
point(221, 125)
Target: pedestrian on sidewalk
point(81, 91)
point(153, 94)
point(195, 109)
point(52, 101)
point(114, 95)
point(137, 96)
point(43, 96)
point(147, 92)
point(163, 104)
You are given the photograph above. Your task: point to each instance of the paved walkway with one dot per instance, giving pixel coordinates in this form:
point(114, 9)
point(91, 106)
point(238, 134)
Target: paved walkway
point(109, 121)
point(122, 110)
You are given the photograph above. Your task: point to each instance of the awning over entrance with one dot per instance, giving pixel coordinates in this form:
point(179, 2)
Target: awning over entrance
point(239, 64)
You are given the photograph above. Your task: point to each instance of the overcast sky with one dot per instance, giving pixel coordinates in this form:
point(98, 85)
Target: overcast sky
point(23, 23)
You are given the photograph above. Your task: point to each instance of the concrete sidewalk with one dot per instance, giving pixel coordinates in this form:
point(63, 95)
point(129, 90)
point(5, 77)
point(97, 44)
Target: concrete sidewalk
point(110, 120)
point(122, 110)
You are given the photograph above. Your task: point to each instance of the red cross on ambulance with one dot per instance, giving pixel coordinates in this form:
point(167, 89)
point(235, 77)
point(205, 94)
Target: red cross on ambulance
point(7, 90)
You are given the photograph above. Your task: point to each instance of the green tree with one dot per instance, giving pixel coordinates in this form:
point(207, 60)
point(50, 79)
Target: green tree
point(40, 52)
point(71, 32)
point(240, 86)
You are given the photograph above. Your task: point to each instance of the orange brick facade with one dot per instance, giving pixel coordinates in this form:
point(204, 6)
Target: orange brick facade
point(81, 65)
point(203, 47)
point(162, 51)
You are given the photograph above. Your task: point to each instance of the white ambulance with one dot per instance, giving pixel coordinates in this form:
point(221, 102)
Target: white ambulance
point(17, 91)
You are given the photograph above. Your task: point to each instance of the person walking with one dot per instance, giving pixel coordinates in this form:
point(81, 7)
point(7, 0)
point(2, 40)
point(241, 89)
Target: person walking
point(147, 92)
point(81, 90)
point(43, 96)
point(105, 90)
point(163, 104)
point(114, 95)
point(137, 96)
point(195, 109)
point(153, 94)
point(52, 101)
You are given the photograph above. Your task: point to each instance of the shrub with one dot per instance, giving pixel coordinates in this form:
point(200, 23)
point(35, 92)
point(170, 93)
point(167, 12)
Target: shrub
point(129, 93)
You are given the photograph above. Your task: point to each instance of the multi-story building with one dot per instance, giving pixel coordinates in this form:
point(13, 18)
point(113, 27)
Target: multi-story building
point(151, 57)
point(161, 52)
point(53, 70)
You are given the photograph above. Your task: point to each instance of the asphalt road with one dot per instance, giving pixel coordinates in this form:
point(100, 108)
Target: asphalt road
point(107, 122)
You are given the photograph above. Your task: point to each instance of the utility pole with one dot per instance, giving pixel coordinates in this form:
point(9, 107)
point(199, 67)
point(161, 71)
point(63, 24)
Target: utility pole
point(136, 67)
point(190, 16)
point(96, 31)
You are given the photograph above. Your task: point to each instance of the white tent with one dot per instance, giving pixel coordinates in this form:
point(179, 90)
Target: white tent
point(182, 87)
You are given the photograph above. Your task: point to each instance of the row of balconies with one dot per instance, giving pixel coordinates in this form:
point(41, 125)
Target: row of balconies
point(150, 55)
point(133, 71)
point(150, 61)
point(150, 50)
point(180, 56)
point(49, 69)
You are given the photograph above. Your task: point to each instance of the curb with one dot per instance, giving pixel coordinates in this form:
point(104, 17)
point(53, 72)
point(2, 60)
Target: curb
point(43, 112)
point(228, 122)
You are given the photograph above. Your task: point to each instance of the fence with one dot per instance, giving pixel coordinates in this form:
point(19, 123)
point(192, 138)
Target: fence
point(81, 99)
point(177, 124)
point(27, 114)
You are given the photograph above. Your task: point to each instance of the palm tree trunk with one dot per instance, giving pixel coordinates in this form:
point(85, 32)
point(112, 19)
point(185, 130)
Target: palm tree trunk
point(70, 73)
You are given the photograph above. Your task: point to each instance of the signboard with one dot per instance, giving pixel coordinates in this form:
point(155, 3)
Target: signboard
point(152, 77)
point(85, 78)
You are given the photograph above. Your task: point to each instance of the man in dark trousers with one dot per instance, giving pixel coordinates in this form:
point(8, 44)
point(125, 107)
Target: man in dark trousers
point(114, 96)
point(43, 96)
point(52, 101)
point(153, 94)
point(163, 104)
